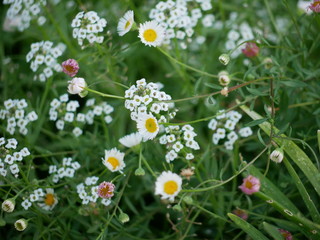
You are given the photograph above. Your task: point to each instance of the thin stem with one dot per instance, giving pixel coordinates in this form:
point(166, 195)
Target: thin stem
point(103, 94)
point(148, 166)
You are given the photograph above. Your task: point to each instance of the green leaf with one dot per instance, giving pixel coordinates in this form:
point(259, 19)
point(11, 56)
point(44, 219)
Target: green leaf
point(247, 227)
point(294, 83)
point(272, 230)
point(256, 122)
point(291, 149)
point(256, 92)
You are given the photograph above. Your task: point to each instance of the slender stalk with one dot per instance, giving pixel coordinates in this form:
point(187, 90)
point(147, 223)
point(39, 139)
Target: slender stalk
point(103, 94)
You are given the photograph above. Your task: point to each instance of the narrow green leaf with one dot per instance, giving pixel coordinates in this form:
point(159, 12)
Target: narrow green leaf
point(247, 227)
point(256, 92)
point(303, 192)
point(318, 133)
point(291, 149)
point(272, 230)
point(294, 83)
point(255, 122)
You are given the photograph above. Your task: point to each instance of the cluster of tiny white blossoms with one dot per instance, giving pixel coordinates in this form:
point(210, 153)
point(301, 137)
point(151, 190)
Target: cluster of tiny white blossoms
point(88, 191)
point(43, 57)
point(65, 112)
point(88, 26)
point(66, 169)
point(224, 126)
point(21, 13)
point(180, 17)
point(46, 200)
point(179, 142)
point(9, 157)
point(145, 101)
point(15, 112)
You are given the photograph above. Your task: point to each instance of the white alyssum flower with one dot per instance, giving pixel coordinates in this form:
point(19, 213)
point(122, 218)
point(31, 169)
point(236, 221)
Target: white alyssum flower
point(168, 185)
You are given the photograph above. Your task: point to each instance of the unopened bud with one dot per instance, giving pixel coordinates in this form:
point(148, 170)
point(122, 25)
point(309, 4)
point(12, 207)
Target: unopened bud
point(224, 59)
point(8, 205)
point(177, 208)
point(277, 155)
point(224, 78)
point(224, 91)
point(123, 217)
point(188, 200)
point(139, 172)
point(21, 224)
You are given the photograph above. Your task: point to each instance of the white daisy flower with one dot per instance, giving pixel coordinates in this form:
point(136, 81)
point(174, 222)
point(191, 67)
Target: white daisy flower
point(168, 185)
point(148, 126)
point(125, 23)
point(131, 140)
point(49, 201)
point(151, 33)
point(113, 160)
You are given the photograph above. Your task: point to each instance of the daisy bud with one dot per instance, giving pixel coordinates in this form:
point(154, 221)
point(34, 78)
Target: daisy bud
point(70, 67)
point(139, 172)
point(267, 63)
point(315, 6)
point(241, 214)
point(224, 92)
point(177, 208)
point(287, 235)
point(251, 50)
point(224, 79)
point(123, 217)
point(21, 224)
point(277, 155)
point(250, 185)
point(76, 86)
point(188, 200)
point(8, 205)
point(224, 59)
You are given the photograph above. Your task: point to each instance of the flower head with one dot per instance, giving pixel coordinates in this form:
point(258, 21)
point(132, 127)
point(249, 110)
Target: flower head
point(315, 6)
point(224, 59)
point(251, 50)
point(131, 140)
point(250, 185)
point(8, 205)
point(70, 67)
point(151, 33)
point(287, 235)
point(277, 155)
point(21, 224)
point(76, 85)
point(106, 189)
point(49, 200)
point(148, 126)
point(125, 23)
point(168, 185)
point(113, 160)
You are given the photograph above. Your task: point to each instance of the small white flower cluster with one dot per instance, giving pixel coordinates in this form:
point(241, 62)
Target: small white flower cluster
point(10, 157)
point(64, 112)
point(144, 98)
point(46, 200)
point(43, 57)
point(88, 191)
point(179, 142)
point(88, 26)
point(180, 17)
point(15, 111)
point(67, 169)
point(21, 13)
point(224, 125)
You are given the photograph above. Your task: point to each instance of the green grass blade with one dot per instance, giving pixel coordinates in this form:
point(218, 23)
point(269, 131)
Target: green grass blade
point(247, 227)
point(291, 149)
point(303, 192)
point(272, 230)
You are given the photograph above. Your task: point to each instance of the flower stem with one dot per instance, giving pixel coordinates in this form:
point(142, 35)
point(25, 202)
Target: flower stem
point(103, 94)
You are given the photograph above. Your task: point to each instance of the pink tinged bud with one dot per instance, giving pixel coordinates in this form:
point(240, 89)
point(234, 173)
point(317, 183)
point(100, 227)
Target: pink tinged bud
point(250, 185)
point(287, 235)
point(251, 50)
point(70, 67)
point(315, 6)
point(76, 85)
point(241, 214)
point(106, 189)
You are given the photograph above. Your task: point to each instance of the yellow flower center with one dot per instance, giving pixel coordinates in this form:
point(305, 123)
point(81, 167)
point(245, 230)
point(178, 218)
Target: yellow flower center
point(150, 35)
point(49, 199)
point(170, 187)
point(151, 125)
point(248, 184)
point(114, 162)
point(127, 24)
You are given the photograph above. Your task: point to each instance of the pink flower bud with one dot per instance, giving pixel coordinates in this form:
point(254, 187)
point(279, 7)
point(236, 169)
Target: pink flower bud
point(251, 50)
point(287, 235)
point(70, 67)
point(250, 185)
